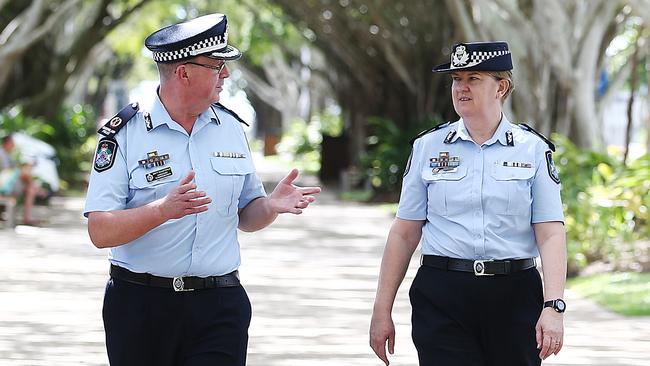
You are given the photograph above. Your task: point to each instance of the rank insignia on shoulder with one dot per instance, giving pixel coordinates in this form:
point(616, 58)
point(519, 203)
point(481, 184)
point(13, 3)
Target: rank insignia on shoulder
point(450, 136)
point(159, 174)
point(552, 170)
point(119, 120)
point(510, 141)
point(153, 159)
point(444, 163)
point(148, 124)
point(105, 155)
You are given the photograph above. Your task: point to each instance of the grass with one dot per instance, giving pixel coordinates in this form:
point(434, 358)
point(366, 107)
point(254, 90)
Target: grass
point(626, 293)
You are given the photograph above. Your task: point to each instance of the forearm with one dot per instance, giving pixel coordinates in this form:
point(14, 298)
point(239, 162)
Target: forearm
point(257, 215)
point(113, 228)
point(552, 249)
point(400, 246)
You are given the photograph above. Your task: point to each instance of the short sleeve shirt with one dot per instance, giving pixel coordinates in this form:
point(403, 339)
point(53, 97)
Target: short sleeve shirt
point(203, 244)
point(480, 201)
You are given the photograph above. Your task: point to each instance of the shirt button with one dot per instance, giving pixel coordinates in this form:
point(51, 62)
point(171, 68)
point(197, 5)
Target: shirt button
point(477, 213)
point(478, 236)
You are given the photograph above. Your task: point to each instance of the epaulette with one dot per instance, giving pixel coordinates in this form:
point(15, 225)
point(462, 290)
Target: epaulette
point(119, 120)
point(223, 108)
point(530, 129)
point(435, 128)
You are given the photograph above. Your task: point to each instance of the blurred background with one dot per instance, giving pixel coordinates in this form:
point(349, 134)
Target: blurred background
point(339, 87)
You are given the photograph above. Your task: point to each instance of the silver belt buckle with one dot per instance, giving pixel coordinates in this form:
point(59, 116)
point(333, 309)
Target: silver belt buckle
point(179, 285)
point(479, 268)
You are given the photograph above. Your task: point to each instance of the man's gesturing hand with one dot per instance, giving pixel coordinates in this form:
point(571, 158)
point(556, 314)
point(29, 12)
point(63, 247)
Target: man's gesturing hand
point(184, 200)
point(286, 197)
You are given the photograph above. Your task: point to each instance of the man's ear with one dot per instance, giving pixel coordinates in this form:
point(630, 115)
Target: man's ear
point(181, 72)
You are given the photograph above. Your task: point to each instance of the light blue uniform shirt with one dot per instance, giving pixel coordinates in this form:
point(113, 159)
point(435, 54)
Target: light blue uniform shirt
point(484, 208)
point(202, 244)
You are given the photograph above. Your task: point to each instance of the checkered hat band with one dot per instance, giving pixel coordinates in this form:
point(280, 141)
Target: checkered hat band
point(204, 46)
point(480, 56)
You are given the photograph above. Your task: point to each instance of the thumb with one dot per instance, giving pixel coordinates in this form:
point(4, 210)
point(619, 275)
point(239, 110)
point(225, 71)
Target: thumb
point(293, 174)
point(538, 335)
point(391, 344)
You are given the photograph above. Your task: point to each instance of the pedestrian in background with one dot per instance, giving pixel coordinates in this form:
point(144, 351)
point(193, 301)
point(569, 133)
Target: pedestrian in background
point(169, 188)
point(483, 194)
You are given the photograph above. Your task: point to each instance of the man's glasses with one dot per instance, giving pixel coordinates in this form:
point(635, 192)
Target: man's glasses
point(218, 69)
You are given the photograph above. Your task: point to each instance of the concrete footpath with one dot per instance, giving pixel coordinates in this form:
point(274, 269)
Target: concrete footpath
point(311, 279)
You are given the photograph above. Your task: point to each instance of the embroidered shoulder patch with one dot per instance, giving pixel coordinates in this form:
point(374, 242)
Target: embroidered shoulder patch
point(552, 170)
point(105, 155)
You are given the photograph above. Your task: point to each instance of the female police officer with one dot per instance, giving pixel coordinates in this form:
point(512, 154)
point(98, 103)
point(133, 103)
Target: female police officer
point(484, 196)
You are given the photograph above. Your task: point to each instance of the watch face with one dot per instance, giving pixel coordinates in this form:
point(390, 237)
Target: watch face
point(560, 305)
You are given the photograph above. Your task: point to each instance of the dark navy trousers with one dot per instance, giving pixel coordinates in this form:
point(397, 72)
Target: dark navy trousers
point(150, 326)
point(462, 320)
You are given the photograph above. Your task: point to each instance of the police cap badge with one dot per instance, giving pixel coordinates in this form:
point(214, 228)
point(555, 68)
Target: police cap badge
point(203, 36)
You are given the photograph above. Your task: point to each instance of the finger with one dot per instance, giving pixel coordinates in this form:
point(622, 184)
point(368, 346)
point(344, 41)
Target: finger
point(380, 350)
point(546, 348)
point(188, 178)
point(309, 190)
point(194, 195)
point(557, 345)
point(194, 210)
point(198, 202)
point(309, 199)
point(184, 188)
point(293, 174)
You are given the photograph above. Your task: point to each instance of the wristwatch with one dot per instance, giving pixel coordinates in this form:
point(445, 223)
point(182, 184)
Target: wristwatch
point(558, 305)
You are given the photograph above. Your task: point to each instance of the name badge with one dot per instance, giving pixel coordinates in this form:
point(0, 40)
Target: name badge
point(159, 174)
point(515, 164)
point(233, 155)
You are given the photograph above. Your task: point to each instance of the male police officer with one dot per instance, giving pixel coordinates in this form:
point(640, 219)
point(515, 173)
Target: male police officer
point(169, 188)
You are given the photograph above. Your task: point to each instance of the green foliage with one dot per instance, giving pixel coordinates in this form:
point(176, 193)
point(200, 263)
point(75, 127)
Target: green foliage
point(624, 293)
point(606, 203)
point(388, 150)
point(301, 142)
point(71, 134)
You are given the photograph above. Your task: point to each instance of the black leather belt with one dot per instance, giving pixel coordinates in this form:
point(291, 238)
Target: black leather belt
point(479, 267)
point(177, 283)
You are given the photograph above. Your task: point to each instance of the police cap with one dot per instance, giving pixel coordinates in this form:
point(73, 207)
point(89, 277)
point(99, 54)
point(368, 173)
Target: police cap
point(478, 56)
point(202, 36)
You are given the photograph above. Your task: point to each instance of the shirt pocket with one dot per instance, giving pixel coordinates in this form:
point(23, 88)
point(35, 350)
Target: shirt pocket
point(443, 189)
point(512, 195)
point(145, 190)
point(230, 174)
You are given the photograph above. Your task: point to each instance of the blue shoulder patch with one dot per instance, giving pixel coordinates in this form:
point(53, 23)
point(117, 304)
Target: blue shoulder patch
point(526, 127)
point(114, 124)
point(227, 110)
point(432, 129)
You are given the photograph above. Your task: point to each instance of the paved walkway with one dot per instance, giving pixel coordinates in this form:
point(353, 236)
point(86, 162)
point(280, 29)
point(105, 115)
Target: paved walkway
point(311, 279)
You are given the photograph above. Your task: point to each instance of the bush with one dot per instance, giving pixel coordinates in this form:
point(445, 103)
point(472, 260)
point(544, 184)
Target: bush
point(606, 203)
point(301, 143)
point(387, 152)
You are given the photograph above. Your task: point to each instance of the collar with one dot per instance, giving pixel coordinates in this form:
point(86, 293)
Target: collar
point(159, 116)
point(500, 134)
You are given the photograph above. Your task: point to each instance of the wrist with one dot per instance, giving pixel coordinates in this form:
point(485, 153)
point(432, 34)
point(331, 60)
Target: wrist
point(558, 305)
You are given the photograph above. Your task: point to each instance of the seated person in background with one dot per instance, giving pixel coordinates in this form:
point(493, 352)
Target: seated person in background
point(16, 179)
